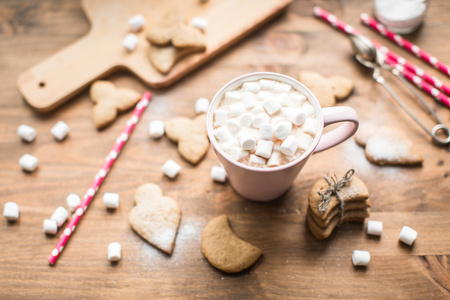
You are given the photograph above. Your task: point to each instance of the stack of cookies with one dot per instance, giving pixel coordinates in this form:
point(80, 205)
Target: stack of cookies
point(326, 211)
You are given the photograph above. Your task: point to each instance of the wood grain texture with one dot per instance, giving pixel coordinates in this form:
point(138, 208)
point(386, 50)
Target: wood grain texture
point(294, 265)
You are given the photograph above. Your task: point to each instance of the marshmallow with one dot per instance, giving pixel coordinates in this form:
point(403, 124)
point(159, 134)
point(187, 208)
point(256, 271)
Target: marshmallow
point(218, 174)
point(256, 160)
point(308, 109)
point(27, 133)
point(156, 129)
point(281, 87)
point(11, 211)
point(114, 252)
point(260, 119)
point(360, 258)
point(220, 117)
point(236, 109)
point(222, 134)
point(50, 226)
point(199, 23)
point(246, 120)
point(282, 130)
point(201, 105)
point(130, 41)
point(297, 99)
point(249, 100)
point(296, 116)
point(232, 97)
point(137, 22)
point(60, 130)
point(28, 162)
point(289, 146)
point(230, 144)
point(251, 87)
point(111, 200)
point(267, 84)
point(304, 141)
point(374, 227)
point(407, 235)
point(73, 201)
point(238, 153)
point(258, 109)
point(263, 95)
point(233, 125)
point(171, 168)
point(60, 215)
point(264, 148)
point(266, 131)
point(274, 159)
point(310, 126)
point(247, 140)
point(271, 105)
point(283, 99)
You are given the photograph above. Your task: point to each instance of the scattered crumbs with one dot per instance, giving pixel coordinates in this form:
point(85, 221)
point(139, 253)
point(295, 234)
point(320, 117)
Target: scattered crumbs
point(440, 163)
point(339, 265)
point(265, 272)
point(287, 261)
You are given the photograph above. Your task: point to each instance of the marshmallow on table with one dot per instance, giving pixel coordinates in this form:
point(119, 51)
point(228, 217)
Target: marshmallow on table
point(60, 130)
point(360, 258)
point(407, 235)
point(374, 227)
point(296, 116)
point(201, 105)
point(171, 168)
point(114, 252)
point(60, 215)
point(260, 119)
point(27, 133)
point(137, 22)
point(130, 41)
point(266, 131)
point(256, 160)
point(11, 211)
point(50, 226)
point(156, 129)
point(289, 146)
point(199, 23)
point(28, 162)
point(111, 200)
point(247, 140)
point(73, 201)
point(223, 134)
point(218, 174)
point(264, 148)
point(246, 120)
point(282, 130)
point(220, 117)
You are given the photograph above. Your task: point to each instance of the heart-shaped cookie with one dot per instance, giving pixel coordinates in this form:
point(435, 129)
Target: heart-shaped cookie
point(190, 135)
point(386, 145)
point(155, 217)
point(324, 208)
point(109, 101)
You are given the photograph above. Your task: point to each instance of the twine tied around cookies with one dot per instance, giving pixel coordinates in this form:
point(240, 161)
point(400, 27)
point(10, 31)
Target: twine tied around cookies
point(335, 186)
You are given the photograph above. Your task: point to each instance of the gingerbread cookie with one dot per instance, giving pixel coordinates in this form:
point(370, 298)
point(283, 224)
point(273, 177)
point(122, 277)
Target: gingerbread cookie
point(171, 40)
point(155, 217)
point(326, 90)
point(224, 250)
point(334, 200)
point(109, 101)
point(385, 145)
point(190, 135)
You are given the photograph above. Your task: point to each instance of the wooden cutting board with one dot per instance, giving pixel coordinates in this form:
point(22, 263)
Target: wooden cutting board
point(100, 52)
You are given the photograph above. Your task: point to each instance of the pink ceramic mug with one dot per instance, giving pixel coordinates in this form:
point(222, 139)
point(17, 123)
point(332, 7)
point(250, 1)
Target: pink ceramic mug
point(263, 184)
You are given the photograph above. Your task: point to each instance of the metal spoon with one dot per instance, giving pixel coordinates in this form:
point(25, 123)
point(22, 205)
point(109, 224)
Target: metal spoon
point(370, 57)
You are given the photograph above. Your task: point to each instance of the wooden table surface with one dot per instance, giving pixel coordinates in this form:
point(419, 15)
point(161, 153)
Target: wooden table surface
point(294, 265)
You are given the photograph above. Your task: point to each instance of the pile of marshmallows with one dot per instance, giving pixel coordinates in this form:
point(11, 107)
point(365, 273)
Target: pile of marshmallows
point(265, 123)
point(362, 258)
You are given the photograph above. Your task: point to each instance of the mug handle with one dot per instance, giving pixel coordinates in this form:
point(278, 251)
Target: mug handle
point(336, 136)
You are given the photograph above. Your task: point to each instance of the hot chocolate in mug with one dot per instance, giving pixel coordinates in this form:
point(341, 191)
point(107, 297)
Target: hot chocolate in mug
point(268, 183)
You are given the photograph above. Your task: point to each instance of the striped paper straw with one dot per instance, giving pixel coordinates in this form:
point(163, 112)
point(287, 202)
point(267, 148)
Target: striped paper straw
point(391, 56)
point(402, 42)
point(99, 177)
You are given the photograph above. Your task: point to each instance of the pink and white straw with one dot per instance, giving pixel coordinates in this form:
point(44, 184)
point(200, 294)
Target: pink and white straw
point(402, 42)
point(99, 177)
point(392, 59)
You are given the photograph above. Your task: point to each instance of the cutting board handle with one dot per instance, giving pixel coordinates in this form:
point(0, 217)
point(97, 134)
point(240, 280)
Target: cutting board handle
point(66, 73)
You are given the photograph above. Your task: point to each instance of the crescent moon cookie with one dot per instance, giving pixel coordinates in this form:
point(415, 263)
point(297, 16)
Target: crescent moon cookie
point(224, 250)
